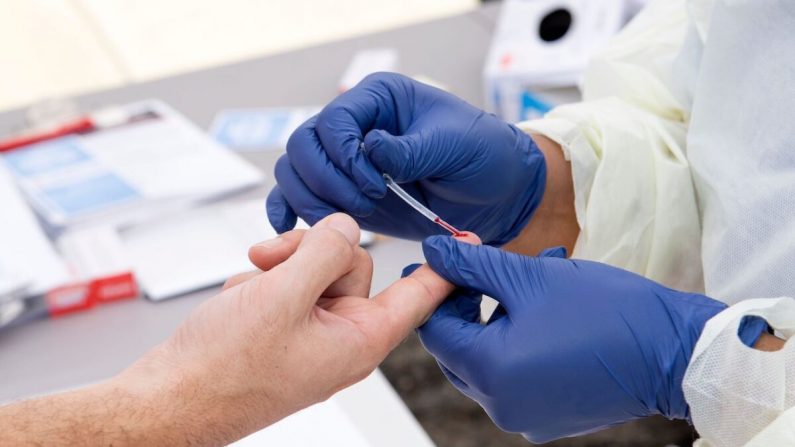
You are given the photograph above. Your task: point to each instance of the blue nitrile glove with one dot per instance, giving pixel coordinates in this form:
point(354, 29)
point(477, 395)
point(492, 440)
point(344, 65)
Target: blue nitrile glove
point(473, 169)
point(577, 346)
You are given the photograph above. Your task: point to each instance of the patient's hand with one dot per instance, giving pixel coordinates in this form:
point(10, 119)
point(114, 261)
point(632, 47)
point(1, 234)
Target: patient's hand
point(294, 333)
point(271, 343)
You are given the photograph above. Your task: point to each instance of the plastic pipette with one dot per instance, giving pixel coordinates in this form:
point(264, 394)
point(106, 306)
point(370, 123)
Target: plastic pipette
point(433, 217)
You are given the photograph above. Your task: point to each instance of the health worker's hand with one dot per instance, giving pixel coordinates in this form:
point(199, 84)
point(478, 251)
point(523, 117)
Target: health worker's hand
point(473, 169)
point(576, 346)
point(278, 340)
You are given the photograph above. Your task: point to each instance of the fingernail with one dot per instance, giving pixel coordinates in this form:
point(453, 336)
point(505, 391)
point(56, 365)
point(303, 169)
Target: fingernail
point(344, 224)
point(270, 244)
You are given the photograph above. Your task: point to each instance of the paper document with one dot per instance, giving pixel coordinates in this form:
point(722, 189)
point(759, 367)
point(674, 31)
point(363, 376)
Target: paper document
point(27, 258)
point(10, 311)
point(128, 173)
point(199, 248)
point(13, 283)
point(93, 252)
point(259, 129)
point(196, 249)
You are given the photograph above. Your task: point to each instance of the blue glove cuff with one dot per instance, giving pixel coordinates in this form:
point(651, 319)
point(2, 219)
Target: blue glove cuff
point(751, 328)
point(690, 313)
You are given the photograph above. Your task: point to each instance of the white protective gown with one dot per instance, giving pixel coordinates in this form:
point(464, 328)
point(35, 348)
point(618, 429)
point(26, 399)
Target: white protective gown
point(683, 161)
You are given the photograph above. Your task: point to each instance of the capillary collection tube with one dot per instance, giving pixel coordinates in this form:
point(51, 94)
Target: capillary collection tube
point(411, 201)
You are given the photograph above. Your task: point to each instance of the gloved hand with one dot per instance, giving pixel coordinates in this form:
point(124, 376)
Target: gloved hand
point(577, 346)
point(473, 169)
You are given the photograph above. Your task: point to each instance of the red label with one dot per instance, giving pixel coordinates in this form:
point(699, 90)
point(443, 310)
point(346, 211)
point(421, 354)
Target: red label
point(81, 296)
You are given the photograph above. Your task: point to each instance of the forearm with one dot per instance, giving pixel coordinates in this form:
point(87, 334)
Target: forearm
point(555, 221)
point(769, 343)
point(105, 414)
point(148, 404)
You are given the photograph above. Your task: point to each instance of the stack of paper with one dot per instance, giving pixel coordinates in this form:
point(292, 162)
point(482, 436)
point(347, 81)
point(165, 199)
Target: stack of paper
point(195, 249)
point(28, 261)
point(13, 283)
point(65, 201)
point(127, 174)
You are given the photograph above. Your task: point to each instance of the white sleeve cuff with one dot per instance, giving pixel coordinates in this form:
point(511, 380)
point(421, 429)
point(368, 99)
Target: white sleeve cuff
point(632, 186)
point(735, 391)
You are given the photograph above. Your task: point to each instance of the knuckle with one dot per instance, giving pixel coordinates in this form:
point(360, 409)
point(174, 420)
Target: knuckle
point(334, 244)
point(293, 149)
point(330, 110)
point(282, 168)
point(294, 236)
point(298, 139)
point(331, 114)
point(418, 287)
point(254, 295)
point(311, 214)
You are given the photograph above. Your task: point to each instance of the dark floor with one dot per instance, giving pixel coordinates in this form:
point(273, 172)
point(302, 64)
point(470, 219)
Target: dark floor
point(452, 420)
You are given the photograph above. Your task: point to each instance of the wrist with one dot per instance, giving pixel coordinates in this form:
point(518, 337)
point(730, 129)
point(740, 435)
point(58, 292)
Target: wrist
point(176, 399)
point(554, 222)
point(157, 394)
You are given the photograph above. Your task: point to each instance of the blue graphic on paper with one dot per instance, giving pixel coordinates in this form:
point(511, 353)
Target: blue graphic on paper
point(46, 157)
point(248, 130)
point(90, 194)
